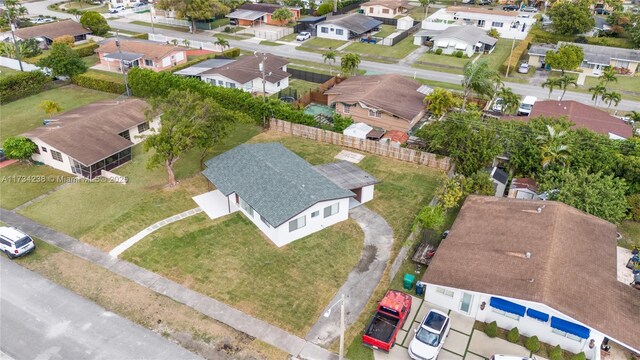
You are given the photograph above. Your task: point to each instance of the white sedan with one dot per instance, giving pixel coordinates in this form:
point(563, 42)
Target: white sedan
point(303, 36)
point(430, 336)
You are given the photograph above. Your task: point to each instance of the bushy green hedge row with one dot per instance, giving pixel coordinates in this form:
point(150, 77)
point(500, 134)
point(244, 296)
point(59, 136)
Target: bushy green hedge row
point(231, 53)
point(146, 83)
point(23, 84)
point(518, 53)
point(85, 50)
point(91, 82)
point(144, 36)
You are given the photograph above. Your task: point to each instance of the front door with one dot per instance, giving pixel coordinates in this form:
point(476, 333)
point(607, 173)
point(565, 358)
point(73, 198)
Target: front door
point(465, 303)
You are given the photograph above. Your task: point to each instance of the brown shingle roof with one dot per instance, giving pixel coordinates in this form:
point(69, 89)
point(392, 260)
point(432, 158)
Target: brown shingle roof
point(90, 133)
point(53, 30)
point(150, 49)
point(392, 93)
point(572, 264)
point(268, 8)
point(247, 68)
point(524, 183)
point(584, 116)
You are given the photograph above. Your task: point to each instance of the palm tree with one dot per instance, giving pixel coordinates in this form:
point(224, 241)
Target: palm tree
point(425, 4)
point(611, 97)
point(552, 147)
point(565, 81)
point(477, 78)
point(186, 42)
point(50, 107)
point(510, 100)
point(552, 83)
point(329, 57)
point(608, 75)
point(497, 83)
point(174, 42)
point(222, 42)
point(349, 64)
point(634, 116)
point(596, 92)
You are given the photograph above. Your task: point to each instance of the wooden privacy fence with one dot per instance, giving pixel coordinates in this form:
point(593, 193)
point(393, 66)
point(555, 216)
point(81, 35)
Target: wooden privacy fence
point(374, 147)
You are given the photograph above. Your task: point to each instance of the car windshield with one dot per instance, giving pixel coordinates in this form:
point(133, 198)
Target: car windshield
point(22, 242)
point(427, 337)
point(526, 106)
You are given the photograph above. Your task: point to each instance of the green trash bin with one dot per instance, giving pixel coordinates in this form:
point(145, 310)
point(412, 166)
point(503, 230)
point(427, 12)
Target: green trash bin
point(408, 281)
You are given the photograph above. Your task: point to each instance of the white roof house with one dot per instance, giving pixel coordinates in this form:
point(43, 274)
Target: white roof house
point(348, 26)
point(509, 24)
point(358, 130)
point(467, 39)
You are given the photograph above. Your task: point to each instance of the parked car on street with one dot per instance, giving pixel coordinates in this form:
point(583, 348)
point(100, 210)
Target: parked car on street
point(523, 68)
point(3, 156)
point(530, 9)
point(14, 243)
point(497, 105)
point(391, 314)
point(483, 2)
point(430, 336)
point(303, 36)
point(41, 20)
point(510, 8)
point(116, 9)
point(526, 105)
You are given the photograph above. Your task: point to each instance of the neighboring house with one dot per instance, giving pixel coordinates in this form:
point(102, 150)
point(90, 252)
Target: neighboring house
point(499, 178)
point(93, 137)
point(523, 188)
point(596, 57)
point(256, 14)
point(141, 53)
point(346, 27)
point(243, 73)
point(282, 194)
point(385, 8)
point(543, 267)
point(509, 24)
point(468, 39)
point(390, 102)
point(395, 138)
point(405, 23)
point(358, 130)
point(51, 31)
point(583, 116)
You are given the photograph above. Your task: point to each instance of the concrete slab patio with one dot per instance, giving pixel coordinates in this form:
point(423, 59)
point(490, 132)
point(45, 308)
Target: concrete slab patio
point(214, 204)
point(483, 345)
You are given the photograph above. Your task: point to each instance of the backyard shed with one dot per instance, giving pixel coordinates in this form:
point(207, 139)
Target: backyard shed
point(358, 130)
point(350, 177)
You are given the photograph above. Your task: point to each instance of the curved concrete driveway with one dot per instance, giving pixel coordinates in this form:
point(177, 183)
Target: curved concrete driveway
point(363, 279)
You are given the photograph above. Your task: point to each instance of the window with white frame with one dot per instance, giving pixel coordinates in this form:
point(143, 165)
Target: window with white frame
point(331, 210)
point(375, 113)
point(444, 292)
point(231, 85)
point(623, 64)
point(143, 127)
point(315, 214)
point(44, 149)
point(346, 109)
point(324, 30)
point(339, 32)
point(246, 207)
point(506, 314)
point(265, 221)
point(298, 223)
point(220, 82)
point(56, 155)
point(566, 335)
point(496, 24)
point(148, 62)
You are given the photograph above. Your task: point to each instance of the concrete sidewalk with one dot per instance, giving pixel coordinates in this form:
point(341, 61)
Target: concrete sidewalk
point(217, 310)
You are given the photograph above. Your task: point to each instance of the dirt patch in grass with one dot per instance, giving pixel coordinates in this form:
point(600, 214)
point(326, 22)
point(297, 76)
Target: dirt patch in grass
point(175, 321)
point(368, 255)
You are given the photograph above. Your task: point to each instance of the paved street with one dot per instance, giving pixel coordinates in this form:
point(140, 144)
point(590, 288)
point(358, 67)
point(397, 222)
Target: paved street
point(40, 7)
point(42, 320)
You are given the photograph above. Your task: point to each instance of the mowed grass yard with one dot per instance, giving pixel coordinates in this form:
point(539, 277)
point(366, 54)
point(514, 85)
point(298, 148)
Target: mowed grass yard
point(5, 71)
point(230, 260)
point(105, 214)
point(20, 183)
point(22, 115)
point(398, 51)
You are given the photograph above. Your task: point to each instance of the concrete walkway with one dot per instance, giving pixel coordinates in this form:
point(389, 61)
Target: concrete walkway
point(344, 46)
point(142, 234)
point(363, 279)
point(217, 310)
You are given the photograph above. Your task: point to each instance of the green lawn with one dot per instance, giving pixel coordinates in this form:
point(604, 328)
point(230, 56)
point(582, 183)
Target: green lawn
point(228, 37)
point(398, 51)
point(106, 75)
point(230, 260)
point(91, 60)
point(290, 37)
point(24, 114)
point(624, 83)
point(444, 60)
point(269, 43)
point(162, 26)
point(499, 54)
point(5, 71)
point(322, 44)
point(302, 86)
point(440, 84)
point(105, 214)
point(385, 30)
point(20, 183)
point(630, 231)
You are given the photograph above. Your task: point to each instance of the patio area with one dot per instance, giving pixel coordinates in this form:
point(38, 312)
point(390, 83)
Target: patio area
point(463, 342)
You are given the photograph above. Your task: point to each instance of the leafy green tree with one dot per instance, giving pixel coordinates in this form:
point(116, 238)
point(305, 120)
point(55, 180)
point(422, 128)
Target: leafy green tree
point(596, 194)
point(222, 42)
point(611, 98)
point(565, 81)
point(494, 33)
point(552, 83)
point(341, 122)
point(571, 18)
point(186, 42)
point(608, 75)
point(324, 9)
point(634, 35)
point(349, 64)
point(95, 22)
point(28, 48)
point(425, 4)
point(194, 9)
point(439, 101)
point(50, 107)
point(477, 77)
point(282, 15)
point(596, 92)
point(567, 57)
point(450, 193)
point(19, 148)
point(329, 57)
point(63, 61)
point(14, 10)
point(553, 147)
point(430, 217)
point(478, 183)
point(510, 100)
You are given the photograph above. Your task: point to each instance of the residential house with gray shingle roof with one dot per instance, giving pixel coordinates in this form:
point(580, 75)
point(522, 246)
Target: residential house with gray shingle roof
point(281, 193)
point(596, 57)
point(346, 27)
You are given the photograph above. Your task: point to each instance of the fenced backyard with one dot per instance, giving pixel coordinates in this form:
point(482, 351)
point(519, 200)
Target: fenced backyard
point(370, 146)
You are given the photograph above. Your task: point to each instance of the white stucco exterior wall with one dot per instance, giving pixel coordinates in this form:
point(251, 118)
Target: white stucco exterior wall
point(367, 194)
point(331, 32)
point(483, 21)
point(47, 159)
point(254, 85)
point(281, 236)
point(453, 44)
point(526, 325)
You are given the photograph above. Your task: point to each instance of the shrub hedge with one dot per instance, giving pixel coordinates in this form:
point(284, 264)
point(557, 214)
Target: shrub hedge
point(90, 82)
point(144, 36)
point(556, 353)
point(492, 329)
point(532, 344)
point(147, 84)
point(438, 51)
point(85, 50)
point(518, 52)
point(579, 356)
point(513, 335)
point(23, 84)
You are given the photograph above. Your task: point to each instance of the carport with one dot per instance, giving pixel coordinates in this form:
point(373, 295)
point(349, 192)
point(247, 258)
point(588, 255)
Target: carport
point(350, 177)
point(215, 204)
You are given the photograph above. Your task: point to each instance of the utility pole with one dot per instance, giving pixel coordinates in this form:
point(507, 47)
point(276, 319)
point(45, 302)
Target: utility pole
point(264, 87)
point(151, 10)
point(342, 327)
point(335, 6)
point(124, 72)
point(15, 43)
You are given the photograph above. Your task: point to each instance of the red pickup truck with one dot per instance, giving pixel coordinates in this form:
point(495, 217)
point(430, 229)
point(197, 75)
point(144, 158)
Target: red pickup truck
point(388, 320)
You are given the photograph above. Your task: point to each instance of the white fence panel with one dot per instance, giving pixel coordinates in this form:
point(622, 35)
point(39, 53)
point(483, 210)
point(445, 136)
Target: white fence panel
point(192, 43)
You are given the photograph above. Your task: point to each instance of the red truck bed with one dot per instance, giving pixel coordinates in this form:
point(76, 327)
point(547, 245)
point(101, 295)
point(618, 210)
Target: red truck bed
point(387, 321)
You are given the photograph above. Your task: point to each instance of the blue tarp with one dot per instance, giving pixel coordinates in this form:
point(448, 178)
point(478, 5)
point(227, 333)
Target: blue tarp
point(538, 315)
point(569, 327)
point(507, 306)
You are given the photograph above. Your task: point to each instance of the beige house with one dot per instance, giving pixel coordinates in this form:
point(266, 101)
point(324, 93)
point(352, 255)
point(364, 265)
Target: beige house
point(390, 102)
point(596, 58)
point(145, 54)
point(385, 8)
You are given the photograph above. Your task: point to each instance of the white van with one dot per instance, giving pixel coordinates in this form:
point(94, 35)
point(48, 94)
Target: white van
point(526, 105)
point(15, 243)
